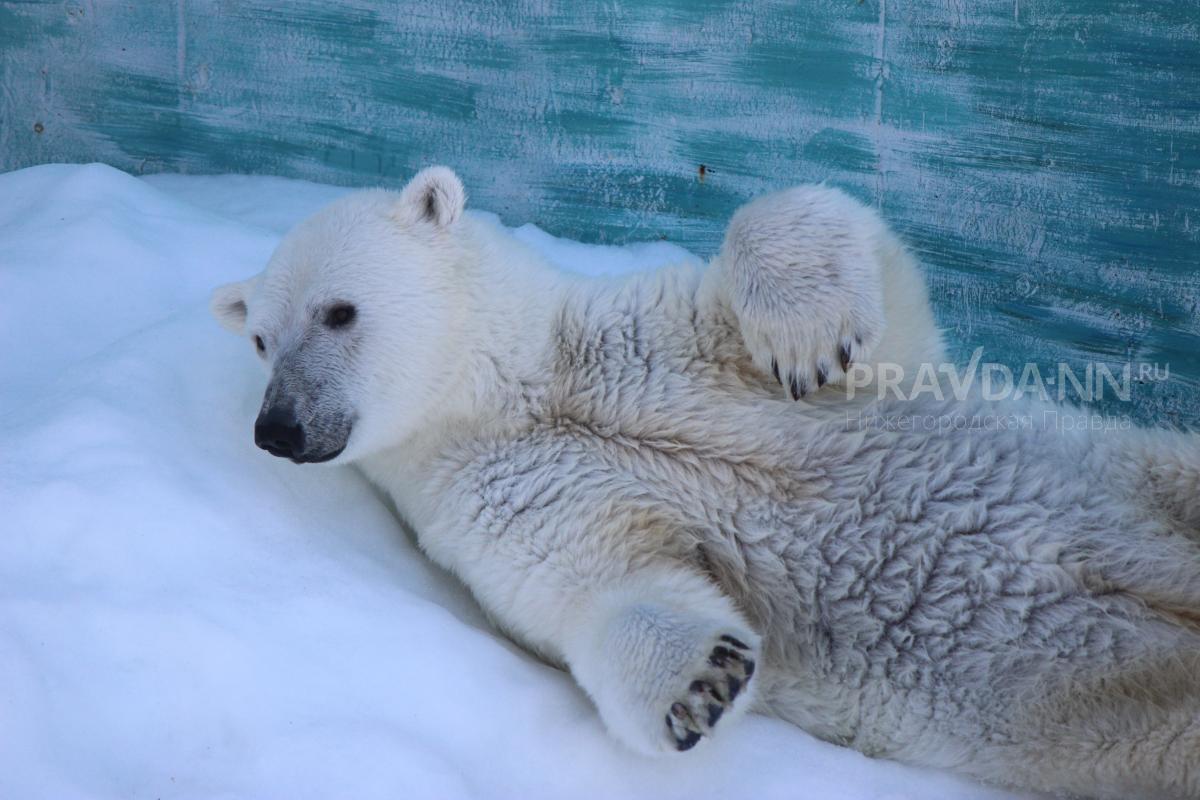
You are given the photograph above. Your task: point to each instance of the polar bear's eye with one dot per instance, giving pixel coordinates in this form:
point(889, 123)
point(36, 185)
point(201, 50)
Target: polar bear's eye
point(340, 315)
point(260, 345)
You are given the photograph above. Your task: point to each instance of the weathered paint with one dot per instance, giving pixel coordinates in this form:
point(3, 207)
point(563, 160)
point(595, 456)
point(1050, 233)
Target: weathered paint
point(1043, 156)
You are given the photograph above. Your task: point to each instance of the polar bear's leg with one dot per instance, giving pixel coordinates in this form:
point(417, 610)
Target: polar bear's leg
point(1163, 475)
point(1103, 702)
point(816, 282)
point(665, 656)
point(1132, 733)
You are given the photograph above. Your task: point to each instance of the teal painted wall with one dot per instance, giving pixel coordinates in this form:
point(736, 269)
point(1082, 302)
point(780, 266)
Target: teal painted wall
point(1042, 157)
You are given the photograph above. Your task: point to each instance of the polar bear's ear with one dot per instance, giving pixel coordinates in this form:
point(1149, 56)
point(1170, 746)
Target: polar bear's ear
point(435, 195)
point(228, 305)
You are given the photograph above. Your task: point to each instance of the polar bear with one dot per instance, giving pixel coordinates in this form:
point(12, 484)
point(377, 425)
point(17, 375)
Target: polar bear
point(662, 483)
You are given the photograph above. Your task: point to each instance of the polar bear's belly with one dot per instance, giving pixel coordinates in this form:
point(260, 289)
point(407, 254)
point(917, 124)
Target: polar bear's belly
point(917, 560)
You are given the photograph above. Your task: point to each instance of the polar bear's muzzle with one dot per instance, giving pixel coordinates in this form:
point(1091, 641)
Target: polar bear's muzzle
point(301, 420)
point(278, 431)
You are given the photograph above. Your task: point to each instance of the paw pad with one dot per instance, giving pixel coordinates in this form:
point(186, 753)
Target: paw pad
point(711, 693)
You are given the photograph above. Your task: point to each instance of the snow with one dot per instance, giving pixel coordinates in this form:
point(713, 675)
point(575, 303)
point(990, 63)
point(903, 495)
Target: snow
point(182, 615)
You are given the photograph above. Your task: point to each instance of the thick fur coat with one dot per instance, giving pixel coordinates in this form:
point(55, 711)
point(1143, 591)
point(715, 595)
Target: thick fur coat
point(661, 483)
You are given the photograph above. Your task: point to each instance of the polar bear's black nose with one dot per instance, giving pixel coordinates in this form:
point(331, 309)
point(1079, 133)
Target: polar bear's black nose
point(278, 432)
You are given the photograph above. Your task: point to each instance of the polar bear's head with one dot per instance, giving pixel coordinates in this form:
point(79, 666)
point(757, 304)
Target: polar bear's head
point(352, 315)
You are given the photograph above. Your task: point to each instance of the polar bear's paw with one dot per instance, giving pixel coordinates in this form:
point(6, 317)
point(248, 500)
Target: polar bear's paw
point(803, 359)
point(803, 274)
point(715, 685)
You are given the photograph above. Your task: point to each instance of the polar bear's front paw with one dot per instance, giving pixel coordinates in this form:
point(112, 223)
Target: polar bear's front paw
point(803, 273)
point(724, 676)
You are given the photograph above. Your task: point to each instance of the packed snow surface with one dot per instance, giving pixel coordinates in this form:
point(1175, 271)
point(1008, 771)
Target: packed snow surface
point(182, 615)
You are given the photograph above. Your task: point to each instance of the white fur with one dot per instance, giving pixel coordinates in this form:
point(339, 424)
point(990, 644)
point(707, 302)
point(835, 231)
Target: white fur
point(612, 469)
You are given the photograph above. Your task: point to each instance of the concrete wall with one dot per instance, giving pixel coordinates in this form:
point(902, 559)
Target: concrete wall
point(1043, 157)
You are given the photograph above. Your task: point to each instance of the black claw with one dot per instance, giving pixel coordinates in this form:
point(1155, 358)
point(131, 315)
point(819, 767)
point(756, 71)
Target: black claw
point(775, 371)
point(687, 742)
point(844, 357)
point(720, 656)
point(822, 375)
point(799, 388)
point(748, 665)
point(699, 687)
point(714, 713)
point(735, 688)
point(735, 642)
